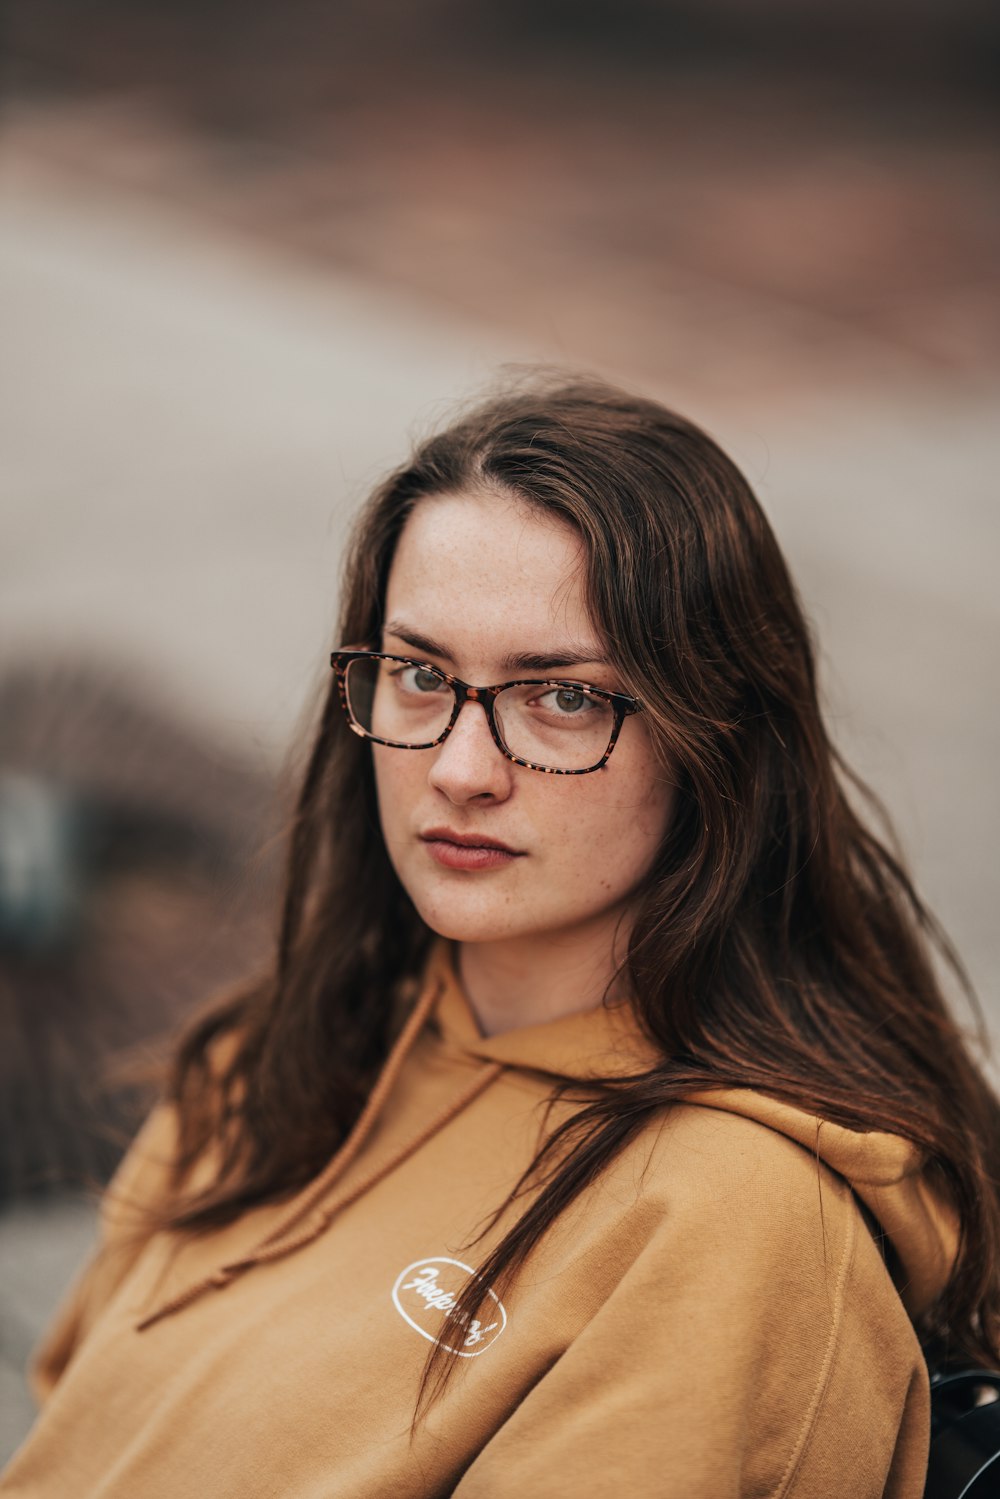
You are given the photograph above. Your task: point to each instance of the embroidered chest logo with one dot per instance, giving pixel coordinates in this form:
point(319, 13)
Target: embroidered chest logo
point(425, 1295)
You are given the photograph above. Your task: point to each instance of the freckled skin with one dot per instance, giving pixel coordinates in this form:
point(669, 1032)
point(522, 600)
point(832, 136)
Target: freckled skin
point(487, 577)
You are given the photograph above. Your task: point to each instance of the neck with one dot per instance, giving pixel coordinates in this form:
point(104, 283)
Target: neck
point(529, 980)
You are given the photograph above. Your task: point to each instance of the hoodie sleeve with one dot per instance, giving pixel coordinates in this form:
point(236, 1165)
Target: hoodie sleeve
point(139, 1183)
point(754, 1345)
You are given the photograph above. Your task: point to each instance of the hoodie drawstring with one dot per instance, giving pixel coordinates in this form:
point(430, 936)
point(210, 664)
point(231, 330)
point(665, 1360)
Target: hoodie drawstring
point(276, 1244)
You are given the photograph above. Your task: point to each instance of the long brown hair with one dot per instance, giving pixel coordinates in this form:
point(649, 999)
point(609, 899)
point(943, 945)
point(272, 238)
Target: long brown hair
point(777, 944)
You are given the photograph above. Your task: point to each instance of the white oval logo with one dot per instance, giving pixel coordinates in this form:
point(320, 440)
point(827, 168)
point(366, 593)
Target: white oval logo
point(425, 1295)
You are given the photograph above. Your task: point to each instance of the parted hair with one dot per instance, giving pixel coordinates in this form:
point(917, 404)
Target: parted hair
point(777, 942)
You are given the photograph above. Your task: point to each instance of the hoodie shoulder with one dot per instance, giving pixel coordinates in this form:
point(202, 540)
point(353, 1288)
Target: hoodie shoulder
point(139, 1185)
point(764, 1156)
point(716, 1161)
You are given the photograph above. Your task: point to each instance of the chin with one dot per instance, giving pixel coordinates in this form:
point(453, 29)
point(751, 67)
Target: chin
point(448, 919)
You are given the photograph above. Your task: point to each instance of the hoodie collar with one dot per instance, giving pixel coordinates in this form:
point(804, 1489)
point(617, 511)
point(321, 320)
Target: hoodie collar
point(605, 1041)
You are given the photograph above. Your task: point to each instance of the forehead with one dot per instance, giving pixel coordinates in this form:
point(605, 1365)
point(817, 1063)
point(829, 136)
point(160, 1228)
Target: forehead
point(490, 575)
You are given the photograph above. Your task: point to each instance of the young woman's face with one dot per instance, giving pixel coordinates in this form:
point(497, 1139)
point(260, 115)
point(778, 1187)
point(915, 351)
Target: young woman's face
point(492, 590)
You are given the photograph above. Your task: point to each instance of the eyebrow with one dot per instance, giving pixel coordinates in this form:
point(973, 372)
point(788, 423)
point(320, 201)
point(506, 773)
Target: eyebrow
point(518, 661)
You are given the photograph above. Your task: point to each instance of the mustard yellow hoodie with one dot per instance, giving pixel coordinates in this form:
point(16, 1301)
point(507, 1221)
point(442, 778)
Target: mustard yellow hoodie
point(713, 1319)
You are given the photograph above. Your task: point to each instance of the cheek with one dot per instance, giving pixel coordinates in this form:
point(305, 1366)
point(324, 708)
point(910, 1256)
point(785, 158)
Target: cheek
point(654, 811)
point(609, 833)
point(399, 778)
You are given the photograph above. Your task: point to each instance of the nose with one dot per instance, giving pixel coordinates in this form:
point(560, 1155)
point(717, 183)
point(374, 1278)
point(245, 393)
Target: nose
point(469, 764)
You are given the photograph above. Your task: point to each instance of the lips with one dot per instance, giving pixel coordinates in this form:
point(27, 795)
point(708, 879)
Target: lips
point(466, 840)
point(469, 852)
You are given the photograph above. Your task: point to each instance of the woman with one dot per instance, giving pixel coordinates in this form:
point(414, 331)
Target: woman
point(601, 1122)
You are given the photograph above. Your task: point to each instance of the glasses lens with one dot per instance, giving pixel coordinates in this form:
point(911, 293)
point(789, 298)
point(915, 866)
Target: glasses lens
point(398, 701)
point(557, 727)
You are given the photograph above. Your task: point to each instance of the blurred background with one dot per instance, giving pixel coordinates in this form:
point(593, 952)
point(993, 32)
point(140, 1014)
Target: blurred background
point(248, 251)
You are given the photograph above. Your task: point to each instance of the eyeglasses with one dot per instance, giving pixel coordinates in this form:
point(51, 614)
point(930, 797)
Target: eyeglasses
point(561, 728)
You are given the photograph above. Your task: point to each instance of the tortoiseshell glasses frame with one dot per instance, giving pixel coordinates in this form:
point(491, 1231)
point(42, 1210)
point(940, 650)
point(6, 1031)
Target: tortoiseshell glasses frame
point(620, 703)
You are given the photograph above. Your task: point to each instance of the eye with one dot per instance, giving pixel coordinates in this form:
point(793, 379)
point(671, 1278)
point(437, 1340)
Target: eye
point(419, 680)
point(569, 701)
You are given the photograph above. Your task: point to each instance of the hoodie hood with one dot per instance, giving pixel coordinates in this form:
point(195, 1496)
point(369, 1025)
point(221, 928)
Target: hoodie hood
point(886, 1172)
